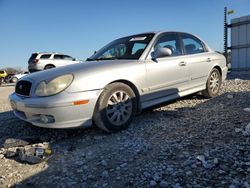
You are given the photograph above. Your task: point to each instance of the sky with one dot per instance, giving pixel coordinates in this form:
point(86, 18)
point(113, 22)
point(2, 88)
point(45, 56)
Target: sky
point(79, 27)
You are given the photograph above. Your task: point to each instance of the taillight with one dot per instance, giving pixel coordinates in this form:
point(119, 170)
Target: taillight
point(35, 60)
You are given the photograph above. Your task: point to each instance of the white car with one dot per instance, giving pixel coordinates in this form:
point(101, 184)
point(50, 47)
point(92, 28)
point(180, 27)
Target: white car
point(16, 77)
point(43, 60)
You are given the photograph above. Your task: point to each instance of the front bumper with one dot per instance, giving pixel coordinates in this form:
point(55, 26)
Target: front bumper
point(60, 109)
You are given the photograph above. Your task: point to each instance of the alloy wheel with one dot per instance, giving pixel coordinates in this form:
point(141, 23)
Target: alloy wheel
point(214, 82)
point(119, 108)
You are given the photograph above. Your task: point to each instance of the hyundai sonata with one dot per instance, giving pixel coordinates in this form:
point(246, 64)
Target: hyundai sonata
point(118, 81)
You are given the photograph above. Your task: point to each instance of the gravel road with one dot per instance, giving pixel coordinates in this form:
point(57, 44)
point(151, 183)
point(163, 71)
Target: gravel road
point(191, 142)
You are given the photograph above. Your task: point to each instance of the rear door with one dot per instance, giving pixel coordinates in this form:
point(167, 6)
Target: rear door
point(198, 59)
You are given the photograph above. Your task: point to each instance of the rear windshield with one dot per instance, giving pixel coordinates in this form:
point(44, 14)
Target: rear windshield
point(33, 56)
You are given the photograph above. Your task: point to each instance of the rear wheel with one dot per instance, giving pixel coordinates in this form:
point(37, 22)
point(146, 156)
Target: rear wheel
point(49, 67)
point(213, 84)
point(1, 80)
point(115, 108)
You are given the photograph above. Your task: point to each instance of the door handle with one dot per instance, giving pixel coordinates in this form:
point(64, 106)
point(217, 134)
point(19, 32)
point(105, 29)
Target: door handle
point(183, 63)
point(209, 60)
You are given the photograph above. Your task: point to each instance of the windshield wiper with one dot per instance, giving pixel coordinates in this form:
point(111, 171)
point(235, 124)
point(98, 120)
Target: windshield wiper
point(97, 59)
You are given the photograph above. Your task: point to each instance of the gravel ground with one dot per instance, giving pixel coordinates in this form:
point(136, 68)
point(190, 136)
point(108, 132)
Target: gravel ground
point(191, 142)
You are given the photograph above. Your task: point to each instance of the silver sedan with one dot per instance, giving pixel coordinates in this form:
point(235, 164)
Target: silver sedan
point(118, 81)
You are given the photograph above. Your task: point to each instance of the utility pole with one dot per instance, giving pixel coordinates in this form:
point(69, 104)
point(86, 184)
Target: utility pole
point(225, 34)
point(226, 26)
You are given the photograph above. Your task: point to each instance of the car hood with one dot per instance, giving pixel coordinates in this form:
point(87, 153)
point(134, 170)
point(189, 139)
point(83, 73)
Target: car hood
point(86, 72)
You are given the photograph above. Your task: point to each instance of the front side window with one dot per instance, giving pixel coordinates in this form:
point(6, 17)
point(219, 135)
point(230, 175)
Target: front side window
point(57, 56)
point(130, 47)
point(170, 41)
point(67, 57)
point(192, 45)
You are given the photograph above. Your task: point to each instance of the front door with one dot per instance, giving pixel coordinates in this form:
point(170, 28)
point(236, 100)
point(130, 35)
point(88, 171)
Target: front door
point(167, 75)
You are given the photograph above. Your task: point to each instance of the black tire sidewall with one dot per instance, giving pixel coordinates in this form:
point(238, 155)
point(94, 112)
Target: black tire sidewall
point(102, 102)
point(48, 67)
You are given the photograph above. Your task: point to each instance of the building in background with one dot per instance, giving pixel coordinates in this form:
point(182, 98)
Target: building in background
point(240, 43)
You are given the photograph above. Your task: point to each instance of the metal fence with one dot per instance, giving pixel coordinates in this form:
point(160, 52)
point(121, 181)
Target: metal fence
point(240, 43)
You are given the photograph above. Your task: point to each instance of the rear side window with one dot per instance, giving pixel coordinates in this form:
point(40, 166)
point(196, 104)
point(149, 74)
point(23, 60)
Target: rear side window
point(1, 72)
point(45, 56)
point(33, 56)
point(192, 45)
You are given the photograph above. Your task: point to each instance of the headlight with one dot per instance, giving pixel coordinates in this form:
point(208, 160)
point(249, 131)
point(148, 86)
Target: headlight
point(55, 86)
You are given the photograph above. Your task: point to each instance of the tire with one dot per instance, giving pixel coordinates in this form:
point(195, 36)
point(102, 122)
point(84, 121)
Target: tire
point(49, 67)
point(13, 80)
point(213, 84)
point(115, 108)
point(1, 81)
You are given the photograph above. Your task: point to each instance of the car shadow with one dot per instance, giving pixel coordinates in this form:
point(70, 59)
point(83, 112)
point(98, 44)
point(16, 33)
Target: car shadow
point(12, 127)
point(70, 146)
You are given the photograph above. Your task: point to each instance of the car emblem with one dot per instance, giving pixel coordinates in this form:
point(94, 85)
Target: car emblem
point(20, 87)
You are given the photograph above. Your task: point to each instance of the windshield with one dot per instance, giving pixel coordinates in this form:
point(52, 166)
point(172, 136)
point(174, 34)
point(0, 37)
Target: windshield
point(130, 47)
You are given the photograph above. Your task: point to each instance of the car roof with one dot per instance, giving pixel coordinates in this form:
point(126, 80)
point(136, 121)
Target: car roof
point(157, 33)
point(163, 31)
point(47, 53)
point(50, 53)
point(160, 32)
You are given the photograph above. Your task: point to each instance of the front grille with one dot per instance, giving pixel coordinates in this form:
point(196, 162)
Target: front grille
point(23, 88)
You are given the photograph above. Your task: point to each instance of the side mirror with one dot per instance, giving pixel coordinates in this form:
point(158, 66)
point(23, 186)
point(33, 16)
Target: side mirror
point(73, 59)
point(161, 52)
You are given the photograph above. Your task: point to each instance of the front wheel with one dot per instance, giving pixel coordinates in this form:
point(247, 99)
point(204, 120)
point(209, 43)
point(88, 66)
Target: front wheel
point(213, 84)
point(14, 80)
point(115, 108)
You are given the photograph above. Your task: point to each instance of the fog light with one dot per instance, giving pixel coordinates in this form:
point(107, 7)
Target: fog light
point(47, 118)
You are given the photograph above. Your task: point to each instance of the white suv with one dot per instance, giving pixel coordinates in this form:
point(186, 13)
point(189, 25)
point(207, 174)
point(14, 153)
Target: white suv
point(41, 61)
